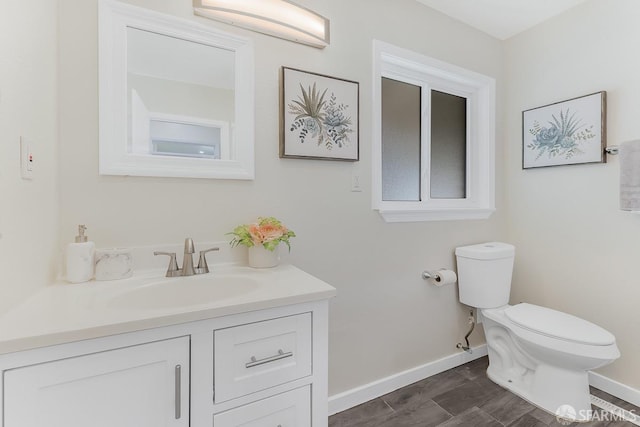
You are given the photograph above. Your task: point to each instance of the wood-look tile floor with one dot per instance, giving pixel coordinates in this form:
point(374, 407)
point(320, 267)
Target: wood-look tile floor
point(462, 396)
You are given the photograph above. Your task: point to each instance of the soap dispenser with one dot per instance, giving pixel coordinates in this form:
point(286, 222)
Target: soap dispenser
point(80, 258)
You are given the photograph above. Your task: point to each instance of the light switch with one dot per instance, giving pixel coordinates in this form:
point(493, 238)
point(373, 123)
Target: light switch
point(356, 187)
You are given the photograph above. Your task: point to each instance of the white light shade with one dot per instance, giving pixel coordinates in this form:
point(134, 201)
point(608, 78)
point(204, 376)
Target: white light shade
point(279, 18)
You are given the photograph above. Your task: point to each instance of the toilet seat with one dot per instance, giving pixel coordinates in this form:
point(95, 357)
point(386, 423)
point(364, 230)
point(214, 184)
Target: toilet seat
point(558, 325)
point(548, 340)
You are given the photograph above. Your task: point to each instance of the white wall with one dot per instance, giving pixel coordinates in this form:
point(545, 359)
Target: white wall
point(28, 209)
point(576, 251)
point(385, 319)
point(182, 99)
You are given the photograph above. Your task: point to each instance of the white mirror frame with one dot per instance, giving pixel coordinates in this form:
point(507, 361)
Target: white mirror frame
point(404, 65)
point(115, 158)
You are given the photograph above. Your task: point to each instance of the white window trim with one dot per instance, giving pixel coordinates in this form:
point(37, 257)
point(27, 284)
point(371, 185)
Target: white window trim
point(225, 141)
point(410, 67)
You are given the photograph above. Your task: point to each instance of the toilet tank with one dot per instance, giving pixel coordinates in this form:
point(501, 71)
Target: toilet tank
point(484, 274)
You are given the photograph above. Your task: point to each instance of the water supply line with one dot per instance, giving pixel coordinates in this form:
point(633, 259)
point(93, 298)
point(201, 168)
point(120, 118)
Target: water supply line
point(467, 347)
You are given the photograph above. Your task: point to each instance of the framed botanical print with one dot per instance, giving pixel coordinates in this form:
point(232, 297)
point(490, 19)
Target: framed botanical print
point(319, 117)
point(565, 133)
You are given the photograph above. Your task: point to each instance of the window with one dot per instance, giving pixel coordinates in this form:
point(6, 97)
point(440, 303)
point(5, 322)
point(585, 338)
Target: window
point(162, 134)
point(433, 154)
point(173, 138)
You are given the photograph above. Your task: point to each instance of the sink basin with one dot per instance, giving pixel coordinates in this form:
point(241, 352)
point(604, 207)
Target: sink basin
point(185, 291)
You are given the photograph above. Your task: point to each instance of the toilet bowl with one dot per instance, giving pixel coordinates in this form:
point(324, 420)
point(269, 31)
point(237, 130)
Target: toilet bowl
point(549, 368)
point(540, 354)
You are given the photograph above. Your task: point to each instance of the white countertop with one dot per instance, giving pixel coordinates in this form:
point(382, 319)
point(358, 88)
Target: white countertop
point(64, 312)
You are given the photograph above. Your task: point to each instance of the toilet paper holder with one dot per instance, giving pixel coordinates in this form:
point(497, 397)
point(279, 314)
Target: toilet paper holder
point(435, 275)
point(426, 275)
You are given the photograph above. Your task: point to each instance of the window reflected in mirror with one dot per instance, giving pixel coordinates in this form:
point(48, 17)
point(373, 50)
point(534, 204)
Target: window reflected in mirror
point(180, 97)
point(169, 138)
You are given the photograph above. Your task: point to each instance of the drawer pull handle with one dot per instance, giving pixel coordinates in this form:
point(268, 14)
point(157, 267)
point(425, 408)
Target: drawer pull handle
point(178, 391)
point(281, 355)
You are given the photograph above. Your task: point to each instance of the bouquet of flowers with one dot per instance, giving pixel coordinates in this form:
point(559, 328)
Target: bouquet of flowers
point(268, 232)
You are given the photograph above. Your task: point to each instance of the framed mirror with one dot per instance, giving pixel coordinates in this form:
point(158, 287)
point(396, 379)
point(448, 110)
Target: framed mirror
point(176, 97)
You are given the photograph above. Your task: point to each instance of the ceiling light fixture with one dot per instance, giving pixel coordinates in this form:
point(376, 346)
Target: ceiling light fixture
point(279, 18)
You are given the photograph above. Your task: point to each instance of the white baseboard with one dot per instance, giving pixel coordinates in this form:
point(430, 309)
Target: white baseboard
point(614, 388)
point(356, 396)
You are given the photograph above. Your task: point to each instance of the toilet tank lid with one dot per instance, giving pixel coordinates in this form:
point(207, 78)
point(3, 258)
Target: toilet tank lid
point(491, 250)
point(557, 324)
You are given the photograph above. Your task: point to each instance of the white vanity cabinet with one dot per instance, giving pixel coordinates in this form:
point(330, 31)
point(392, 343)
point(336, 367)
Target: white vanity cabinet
point(138, 386)
point(261, 368)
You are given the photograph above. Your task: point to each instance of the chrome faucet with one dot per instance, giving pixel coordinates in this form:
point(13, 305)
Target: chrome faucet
point(187, 260)
point(187, 264)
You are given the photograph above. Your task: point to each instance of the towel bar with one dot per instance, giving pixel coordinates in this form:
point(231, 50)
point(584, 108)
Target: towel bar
point(612, 150)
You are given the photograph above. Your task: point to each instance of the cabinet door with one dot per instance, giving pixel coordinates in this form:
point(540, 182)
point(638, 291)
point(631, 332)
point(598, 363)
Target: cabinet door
point(141, 386)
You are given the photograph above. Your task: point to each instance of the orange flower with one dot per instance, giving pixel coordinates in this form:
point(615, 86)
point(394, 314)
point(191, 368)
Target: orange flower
point(271, 232)
point(267, 232)
point(255, 232)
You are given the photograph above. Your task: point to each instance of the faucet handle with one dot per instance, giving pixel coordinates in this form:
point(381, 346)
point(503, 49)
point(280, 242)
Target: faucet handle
point(203, 267)
point(189, 247)
point(173, 270)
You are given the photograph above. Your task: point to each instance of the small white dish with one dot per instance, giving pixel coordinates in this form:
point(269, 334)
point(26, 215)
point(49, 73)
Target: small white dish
point(114, 264)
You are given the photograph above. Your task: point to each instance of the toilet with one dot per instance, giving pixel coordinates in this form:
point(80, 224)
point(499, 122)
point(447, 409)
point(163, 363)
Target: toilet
point(540, 354)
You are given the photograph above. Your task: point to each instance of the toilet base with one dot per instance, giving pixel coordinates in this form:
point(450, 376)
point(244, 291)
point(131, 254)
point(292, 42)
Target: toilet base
point(558, 392)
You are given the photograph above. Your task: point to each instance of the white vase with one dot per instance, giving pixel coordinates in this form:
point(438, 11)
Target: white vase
point(259, 257)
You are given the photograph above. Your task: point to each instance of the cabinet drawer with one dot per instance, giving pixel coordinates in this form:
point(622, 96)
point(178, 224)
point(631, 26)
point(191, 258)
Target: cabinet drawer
point(290, 409)
point(260, 355)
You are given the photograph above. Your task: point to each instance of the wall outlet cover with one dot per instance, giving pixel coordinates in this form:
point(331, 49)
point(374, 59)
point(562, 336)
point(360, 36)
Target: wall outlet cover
point(26, 159)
